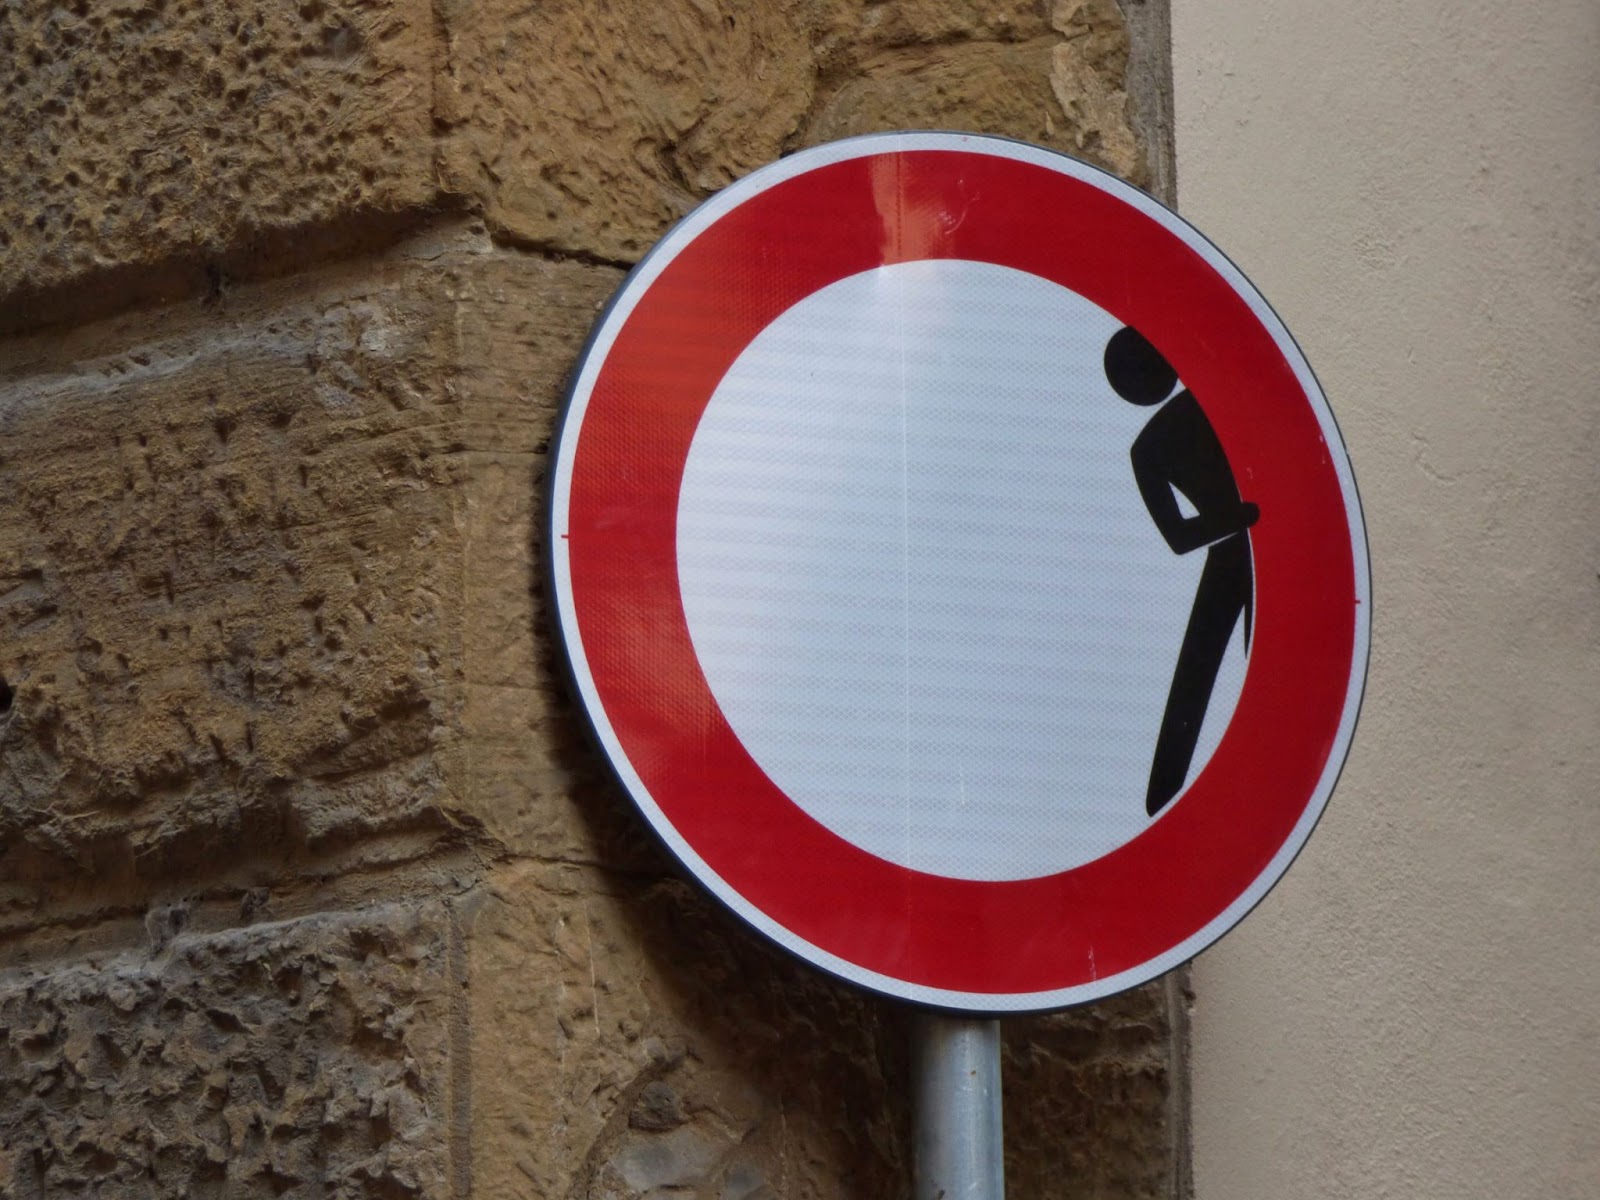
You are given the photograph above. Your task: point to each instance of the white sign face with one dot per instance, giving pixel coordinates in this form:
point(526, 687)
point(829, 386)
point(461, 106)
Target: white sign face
point(961, 570)
point(861, 510)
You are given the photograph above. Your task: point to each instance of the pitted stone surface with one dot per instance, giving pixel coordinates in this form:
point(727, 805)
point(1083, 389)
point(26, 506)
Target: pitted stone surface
point(664, 1048)
point(241, 545)
point(307, 1058)
point(161, 146)
point(231, 619)
point(646, 109)
point(147, 129)
point(1090, 1107)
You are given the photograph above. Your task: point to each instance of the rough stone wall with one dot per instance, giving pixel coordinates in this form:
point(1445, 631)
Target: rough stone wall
point(272, 1058)
point(310, 884)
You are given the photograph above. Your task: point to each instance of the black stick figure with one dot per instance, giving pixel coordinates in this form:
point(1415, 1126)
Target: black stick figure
point(1178, 451)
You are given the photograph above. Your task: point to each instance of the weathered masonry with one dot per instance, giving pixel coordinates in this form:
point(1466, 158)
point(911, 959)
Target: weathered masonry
point(310, 884)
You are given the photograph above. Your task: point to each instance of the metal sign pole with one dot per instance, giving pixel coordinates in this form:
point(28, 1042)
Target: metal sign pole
point(956, 1080)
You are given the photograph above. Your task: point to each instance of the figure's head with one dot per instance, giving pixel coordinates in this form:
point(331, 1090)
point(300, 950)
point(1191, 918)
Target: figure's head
point(1136, 370)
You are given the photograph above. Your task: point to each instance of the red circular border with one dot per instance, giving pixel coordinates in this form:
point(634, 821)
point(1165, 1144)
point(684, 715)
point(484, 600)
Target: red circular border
point(720, 290)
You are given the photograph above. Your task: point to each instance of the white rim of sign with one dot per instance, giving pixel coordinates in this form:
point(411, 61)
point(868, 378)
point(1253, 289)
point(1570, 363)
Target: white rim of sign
point(593, 360)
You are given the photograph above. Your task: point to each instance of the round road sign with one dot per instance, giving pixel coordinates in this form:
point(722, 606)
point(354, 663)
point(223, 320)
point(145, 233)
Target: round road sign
point(961, 570)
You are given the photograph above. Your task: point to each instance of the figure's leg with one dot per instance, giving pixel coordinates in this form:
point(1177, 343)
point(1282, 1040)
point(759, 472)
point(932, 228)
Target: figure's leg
point(1219, 601)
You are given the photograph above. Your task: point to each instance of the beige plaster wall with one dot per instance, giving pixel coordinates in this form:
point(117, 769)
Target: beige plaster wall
point(1413, 1013)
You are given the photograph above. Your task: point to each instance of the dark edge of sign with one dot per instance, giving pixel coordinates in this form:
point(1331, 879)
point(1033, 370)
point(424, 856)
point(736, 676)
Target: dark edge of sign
point(552, 593)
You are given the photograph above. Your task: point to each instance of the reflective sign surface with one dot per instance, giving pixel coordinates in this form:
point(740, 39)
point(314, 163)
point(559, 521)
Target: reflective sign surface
point(961, 570)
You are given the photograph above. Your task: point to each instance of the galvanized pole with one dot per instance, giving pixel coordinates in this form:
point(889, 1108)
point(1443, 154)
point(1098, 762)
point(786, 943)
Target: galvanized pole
point(956, 1080)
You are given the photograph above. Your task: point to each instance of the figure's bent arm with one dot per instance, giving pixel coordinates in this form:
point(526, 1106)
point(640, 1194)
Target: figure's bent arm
point(1182, 533)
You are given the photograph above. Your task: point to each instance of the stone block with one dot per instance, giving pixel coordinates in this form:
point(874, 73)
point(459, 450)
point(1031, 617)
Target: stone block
point(1094, 1100)
point(302, 1058)
point(630, 1040)
point(149, 131)
point(589, 127)
point(535, 784)
point(644, 109)
point(235, 578)
point(231, 616)
point(1064, 88)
